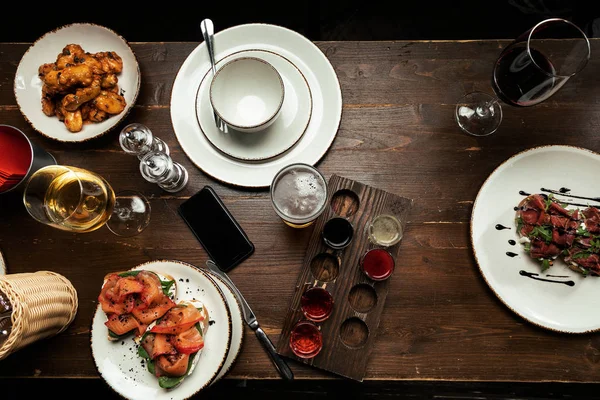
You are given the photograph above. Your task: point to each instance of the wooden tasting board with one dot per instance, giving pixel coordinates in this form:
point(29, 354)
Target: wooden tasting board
point(348, 357)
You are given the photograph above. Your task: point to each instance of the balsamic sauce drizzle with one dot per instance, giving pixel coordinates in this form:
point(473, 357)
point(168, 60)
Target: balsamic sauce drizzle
point(512, 242)
point(522, 193)
point(501, 227)
point(559, 276)
point(511, 254)
point(535, 276)
point(570, 195)
point(564, 190)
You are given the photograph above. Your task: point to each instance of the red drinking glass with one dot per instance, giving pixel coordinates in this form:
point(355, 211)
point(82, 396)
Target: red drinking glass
point(377, 264)
point(306, 340)
point(316, 304)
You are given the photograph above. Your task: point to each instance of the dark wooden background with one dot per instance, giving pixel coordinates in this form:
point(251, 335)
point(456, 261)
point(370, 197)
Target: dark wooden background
point(443, 332)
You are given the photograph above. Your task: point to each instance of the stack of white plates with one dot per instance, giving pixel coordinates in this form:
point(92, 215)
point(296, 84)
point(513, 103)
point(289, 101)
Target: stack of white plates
point(121, 367)
point(303, 132)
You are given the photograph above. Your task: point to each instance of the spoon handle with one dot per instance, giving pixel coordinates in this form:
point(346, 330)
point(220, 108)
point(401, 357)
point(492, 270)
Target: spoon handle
point(208, 31)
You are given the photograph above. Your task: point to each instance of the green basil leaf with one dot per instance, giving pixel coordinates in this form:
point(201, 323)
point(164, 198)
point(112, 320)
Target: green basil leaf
point(582, 254)
point(545, 264)
point(166, 286)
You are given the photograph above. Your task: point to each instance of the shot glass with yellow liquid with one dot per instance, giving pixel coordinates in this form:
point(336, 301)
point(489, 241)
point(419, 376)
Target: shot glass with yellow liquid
point(299, 194)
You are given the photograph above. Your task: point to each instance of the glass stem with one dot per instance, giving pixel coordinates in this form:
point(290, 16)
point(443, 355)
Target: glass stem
point(123, 213)
point(483, 109)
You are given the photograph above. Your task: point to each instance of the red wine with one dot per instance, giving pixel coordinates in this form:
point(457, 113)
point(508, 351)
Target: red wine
point(519, 82)
point(306, 340)
point(377, 264)
point(316, 304)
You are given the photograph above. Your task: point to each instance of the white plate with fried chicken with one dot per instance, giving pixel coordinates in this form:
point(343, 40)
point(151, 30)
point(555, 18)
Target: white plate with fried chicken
point(77, 82)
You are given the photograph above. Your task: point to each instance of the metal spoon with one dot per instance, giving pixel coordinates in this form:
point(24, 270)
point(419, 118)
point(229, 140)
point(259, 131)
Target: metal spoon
point(208, 31)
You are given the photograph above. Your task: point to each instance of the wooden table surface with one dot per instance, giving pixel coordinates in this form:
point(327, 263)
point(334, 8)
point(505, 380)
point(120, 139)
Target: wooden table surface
point(441, 322)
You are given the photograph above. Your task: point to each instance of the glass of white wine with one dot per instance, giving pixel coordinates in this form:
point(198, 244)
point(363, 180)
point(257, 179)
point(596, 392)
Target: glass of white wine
point(77, 200)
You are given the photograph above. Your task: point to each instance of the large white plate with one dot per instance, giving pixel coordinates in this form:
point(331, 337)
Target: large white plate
point(553, 306)
point(308, 58)
point(237, 321)
point(119, 364)
point(92, 38)
point(277, 138)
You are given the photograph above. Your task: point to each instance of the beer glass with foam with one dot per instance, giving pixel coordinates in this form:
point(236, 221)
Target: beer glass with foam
point(299, 194)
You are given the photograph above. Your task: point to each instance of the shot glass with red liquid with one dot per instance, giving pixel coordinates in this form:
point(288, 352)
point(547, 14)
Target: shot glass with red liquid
point(316, 304)
point(306, 340)
point(377, 264)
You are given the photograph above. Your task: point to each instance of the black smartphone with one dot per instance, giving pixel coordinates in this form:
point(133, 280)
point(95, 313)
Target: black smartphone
point(216, 229)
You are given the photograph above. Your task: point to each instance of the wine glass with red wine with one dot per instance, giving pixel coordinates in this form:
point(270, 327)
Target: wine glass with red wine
point(528, 71)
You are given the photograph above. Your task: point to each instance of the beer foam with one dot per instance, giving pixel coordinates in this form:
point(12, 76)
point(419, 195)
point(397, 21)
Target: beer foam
point(299, 193)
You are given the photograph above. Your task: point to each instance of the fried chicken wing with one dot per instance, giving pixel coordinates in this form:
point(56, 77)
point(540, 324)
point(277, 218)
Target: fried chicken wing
point(47, 102)
point(89, 60)
point(72, 119)
point(111, 103)
point(45, 68)
point(68, 56)
point(109, 81)
point(96, 115)
point(111, 61)
point(77, 75)
point(72, 102)
point(61, 80)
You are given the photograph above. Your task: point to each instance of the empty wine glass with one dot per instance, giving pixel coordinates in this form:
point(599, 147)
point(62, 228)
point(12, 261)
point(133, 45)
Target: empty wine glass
point(76, 200)
point(528, 71)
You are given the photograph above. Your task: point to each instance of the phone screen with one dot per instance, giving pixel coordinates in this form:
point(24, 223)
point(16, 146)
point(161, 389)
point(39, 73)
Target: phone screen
point(217, 230)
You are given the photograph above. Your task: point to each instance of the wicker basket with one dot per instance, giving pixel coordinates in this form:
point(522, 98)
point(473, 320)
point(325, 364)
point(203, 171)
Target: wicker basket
point(44, 304)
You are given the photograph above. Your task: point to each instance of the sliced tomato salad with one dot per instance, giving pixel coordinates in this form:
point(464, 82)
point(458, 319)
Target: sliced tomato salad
point(133, 300)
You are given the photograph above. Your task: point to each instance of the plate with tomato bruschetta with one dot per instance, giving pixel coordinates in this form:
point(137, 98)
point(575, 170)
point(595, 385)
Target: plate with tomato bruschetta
point(161, 330)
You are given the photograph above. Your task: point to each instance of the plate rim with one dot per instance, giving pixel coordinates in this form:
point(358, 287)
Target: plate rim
point(474, 251)
point(241, 322)
point(246, 26)
point(230, 327)
point(252, 159)
point(126, 111)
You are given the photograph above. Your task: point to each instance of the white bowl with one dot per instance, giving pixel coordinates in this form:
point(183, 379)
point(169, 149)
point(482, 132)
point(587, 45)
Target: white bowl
point(247, 93)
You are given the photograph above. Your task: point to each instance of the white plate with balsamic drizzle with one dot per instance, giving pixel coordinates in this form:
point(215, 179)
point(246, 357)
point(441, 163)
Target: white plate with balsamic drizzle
point(559, 298)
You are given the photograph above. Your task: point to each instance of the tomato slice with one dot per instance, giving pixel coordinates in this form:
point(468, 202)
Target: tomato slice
point(188, 342)
point(152, 291)
point(121, 324)
point(148, 343)
point(111, 306)
point(124, 287)
point(178, 319)
point(173, 364)
point(154, 312)
point(162, 346)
